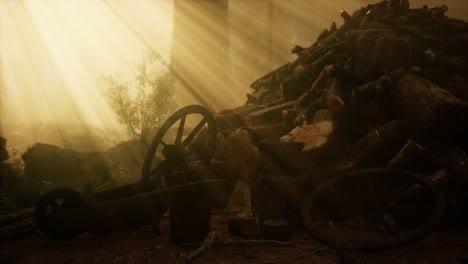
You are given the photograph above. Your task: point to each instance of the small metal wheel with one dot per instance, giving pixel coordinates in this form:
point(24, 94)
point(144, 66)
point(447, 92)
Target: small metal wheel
point(49, 204)
point(373, 209)
point(178, 142)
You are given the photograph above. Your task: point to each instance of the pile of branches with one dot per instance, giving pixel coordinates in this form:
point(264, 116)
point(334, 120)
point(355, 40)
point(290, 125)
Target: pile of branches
point(391, 80)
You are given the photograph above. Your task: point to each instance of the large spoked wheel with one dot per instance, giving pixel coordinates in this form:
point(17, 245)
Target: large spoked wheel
point(177, 136)
point(373, 209)
point(49, 205)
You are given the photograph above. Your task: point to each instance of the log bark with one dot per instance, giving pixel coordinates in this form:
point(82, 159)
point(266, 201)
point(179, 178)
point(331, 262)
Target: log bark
point(258, 96)
point(450, 63)
point(345, 15)
point(338, 96)
point(314, 135)
point(320, 82)
point(229, 122)
point(269, 133)
point(345, 75)
point(271, 114)
point(415, 157)
point(373, 90)
point(242, 110)
point(272, 79)
point(378, 146)
point(329, 97)
point(350, 23)
point(442, 116)
point(314, 53)
point(378, 51)
point(325, 33)
point(296, 84)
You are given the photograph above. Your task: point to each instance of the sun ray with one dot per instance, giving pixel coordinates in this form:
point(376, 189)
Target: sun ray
point(54, 53)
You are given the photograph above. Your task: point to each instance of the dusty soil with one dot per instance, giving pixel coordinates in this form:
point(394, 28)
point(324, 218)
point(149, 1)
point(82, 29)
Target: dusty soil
point(139, 245)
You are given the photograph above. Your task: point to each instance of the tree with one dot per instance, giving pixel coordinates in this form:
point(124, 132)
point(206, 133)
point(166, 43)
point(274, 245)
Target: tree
point(142, 104)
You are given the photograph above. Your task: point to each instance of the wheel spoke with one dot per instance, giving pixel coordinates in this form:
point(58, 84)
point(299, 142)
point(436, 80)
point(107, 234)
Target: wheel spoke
point(176, 146)
point(154, 173)
point(180, 131)
point(194, 132)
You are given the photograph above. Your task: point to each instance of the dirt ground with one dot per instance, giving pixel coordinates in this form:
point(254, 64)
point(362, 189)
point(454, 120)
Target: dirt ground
point(139, 245)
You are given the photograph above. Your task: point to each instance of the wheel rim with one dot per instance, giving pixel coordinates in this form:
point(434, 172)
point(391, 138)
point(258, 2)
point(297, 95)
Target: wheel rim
point(52, 203)
point(178, 150)
point(320, 218)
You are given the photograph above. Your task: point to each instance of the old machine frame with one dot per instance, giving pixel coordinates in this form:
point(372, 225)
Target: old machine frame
point(370, 194)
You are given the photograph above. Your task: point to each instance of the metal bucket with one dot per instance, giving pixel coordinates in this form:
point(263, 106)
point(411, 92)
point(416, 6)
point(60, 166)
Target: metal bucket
point(242, 226)
point(189, 218)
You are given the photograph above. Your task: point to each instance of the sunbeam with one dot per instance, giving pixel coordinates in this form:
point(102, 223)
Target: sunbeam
point(55, 53)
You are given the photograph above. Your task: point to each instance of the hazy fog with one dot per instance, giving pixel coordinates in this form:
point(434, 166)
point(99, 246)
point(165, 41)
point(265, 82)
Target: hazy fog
point(53, 54)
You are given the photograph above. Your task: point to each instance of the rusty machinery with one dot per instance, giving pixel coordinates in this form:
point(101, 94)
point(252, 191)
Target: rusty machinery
point(183, 166)
point(363, 208)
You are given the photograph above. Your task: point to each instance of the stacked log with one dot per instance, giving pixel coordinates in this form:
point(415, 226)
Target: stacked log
point(387, 88)
point(386, 62)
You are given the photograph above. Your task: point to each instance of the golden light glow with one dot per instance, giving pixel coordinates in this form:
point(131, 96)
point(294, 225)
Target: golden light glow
point(53, 54)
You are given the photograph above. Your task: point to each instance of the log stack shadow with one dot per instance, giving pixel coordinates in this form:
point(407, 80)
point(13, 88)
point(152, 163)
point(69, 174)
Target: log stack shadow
point(390, 77)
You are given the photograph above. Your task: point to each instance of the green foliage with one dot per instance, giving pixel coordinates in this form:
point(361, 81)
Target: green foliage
point(142, 104)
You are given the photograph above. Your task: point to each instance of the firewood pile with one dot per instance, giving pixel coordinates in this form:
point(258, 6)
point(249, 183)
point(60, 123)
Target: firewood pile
point(387, 88)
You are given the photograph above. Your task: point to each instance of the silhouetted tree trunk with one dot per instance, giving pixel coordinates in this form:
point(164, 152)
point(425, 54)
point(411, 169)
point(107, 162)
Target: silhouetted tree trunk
point(201, 50)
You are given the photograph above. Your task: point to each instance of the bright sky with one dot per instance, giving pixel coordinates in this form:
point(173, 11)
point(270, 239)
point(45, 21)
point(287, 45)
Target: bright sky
point(54, 54)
